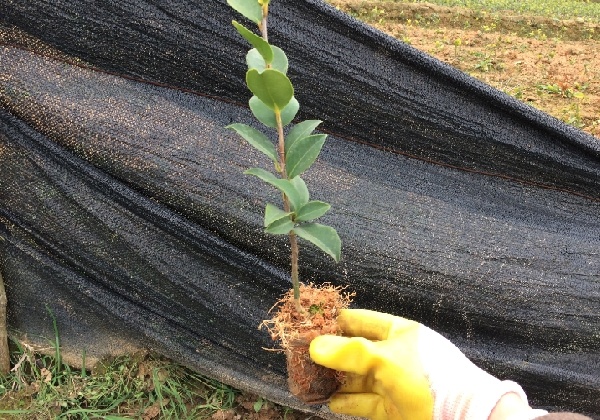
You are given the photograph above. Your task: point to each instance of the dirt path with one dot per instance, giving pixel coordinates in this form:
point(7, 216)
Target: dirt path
point(550, 64)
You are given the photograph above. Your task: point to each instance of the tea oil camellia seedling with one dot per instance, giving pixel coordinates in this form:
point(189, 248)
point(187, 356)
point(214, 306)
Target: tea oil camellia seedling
point(273, 104)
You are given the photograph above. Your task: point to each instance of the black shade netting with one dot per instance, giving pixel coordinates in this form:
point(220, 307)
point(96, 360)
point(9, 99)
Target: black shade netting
point(125, 214)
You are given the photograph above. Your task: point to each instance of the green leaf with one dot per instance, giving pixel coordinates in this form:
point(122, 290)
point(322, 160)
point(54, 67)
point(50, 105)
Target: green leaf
point(258, 404)
point(300, 187)
point(280, 60)
point(256, 139)
point(256, 61)
point(299, 131)
point(311, 210)
point(274, 213)
point(289, 112)
point(250, 9)
point(262, 174)
point(325, 237)
point(295, 197)
point(302, 154)
point(266, 115)
point(271, 86)
point(280, 227)
point(257, 42)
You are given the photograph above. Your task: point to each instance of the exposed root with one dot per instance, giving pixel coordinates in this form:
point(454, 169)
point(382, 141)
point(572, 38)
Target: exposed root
point(321, 306)
point(294, 331)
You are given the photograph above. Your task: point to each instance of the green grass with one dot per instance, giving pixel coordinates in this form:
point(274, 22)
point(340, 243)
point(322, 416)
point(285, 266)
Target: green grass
point(135, 386)
point(559, 9)
point(129, 387)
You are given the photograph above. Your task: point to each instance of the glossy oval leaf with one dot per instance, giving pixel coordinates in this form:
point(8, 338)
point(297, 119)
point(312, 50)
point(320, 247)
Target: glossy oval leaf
point(312, 210)
point(324, 237)
point(256, 139)
point(274, 213)
point(263, 113)
point(256, 41)
point(280, 60)
point(266, 115)
point(249, 9)
point(285, 186)
point(256, 61)
point(277, 221)
point(280, 227)
point(289, 112)
point(302, 154)
point(262, 174)
point(300, 187)
point(300, 130)
point(271, 86)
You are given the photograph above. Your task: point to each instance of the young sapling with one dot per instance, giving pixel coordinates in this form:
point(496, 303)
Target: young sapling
point(306, 311)
point(274, 105)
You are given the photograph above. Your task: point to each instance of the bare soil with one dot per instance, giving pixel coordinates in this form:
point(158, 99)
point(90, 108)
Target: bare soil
point(248, 409)
point(550, 64)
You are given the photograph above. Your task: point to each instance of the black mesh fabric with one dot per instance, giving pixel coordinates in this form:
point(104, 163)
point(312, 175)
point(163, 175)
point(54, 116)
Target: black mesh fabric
point(124, 211)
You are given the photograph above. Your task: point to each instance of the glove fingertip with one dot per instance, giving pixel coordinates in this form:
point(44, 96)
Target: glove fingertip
point(321, 349)
point(342, 353)
point(361, 405)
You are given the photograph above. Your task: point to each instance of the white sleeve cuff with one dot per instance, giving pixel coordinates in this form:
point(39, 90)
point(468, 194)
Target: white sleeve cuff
point(488, 392)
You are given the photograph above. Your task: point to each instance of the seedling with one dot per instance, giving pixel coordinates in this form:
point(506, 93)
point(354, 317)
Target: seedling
point(457, 44)
point(274, 105)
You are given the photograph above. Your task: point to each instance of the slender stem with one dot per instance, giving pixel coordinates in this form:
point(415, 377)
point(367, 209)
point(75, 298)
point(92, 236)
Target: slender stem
point(295, 280)
point(263, 23)
point(286, 201)
point(280, 145)
point(286, 207)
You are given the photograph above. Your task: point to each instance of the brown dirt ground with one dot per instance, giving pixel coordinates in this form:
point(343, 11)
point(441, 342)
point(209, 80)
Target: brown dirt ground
point(245, 410)
point(549, 64)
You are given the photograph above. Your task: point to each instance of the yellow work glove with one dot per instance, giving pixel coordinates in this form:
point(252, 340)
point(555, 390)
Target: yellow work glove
point(400, 369)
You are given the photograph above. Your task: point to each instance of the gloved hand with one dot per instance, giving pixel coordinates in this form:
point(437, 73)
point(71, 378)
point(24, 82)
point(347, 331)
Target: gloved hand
point(400, 369)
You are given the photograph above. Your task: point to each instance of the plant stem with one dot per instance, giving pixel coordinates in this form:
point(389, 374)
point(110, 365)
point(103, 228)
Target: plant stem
point(263, 23)
point(286, 201)
point(281, 147)
point(286, 207)
point(295, 280)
